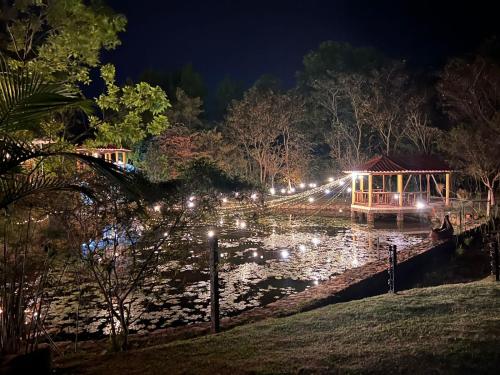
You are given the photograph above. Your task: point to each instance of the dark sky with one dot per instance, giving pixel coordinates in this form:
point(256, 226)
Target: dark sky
point(248, 38)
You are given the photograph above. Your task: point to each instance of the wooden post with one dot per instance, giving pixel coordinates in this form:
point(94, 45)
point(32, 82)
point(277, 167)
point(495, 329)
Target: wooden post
point(447, 192)
point(214, 284)
point(393, 263)
point(370, 189)
point(353, 189)
point(400, 189)
point(428, 188)
point(124, 158)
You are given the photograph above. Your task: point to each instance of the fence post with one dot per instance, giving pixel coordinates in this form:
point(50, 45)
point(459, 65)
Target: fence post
point(393, 262)
point(213, 244)
point(495, 267)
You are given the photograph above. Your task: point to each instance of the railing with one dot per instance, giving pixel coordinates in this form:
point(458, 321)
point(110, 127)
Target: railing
point(387, 198)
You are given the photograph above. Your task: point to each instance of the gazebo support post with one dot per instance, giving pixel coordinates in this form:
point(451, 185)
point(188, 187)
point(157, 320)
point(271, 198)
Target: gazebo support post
point(400, 189)
point(353, 190)
point(447, 190)
point(370, 189)
point(428, 187)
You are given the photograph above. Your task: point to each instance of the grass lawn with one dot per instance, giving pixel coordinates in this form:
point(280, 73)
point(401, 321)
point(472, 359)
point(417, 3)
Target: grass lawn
point(444, 329)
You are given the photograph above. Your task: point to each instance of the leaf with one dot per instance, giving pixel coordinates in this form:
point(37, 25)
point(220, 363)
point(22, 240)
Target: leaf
point(25, 99)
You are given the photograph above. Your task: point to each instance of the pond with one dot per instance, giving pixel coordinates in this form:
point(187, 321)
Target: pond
point(261, 260)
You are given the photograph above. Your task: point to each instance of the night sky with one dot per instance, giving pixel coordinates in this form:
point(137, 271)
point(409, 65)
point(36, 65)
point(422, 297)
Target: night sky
point(246, 39)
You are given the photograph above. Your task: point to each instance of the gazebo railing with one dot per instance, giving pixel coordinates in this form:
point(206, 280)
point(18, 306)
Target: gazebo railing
point(388, 198)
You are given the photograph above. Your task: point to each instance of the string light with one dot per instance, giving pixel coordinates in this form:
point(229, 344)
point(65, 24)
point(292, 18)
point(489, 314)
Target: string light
point(210, 233)
point(157, 208)
point(285, 253)
point(302, 185)
point(254, 196)
point(224, 200)
point(283, 191)
point(327, 191)
point(310, 199)
point(272, 191)
point(190, 204)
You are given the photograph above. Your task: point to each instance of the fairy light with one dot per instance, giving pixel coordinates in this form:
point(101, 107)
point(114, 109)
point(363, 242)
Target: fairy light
point(327, 191)
point(224, 200)
point(157, 208)
point(254, 196)
point(192, 198)
point(349, 190)
point(284, 253)
point(283, 191)
point(302, 185)
point(310, 199)
point(255, 254)
point(292, 190)
point(396, 196)
point(190, 204)
point(272, 191)
point(302, 247)
point(316, 241)
point(210, 234)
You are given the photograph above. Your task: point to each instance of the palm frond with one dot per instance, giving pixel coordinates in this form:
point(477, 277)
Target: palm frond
point(20, 186)
point(26, 98)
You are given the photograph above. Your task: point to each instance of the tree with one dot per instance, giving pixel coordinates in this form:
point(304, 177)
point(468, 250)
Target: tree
point(227, 90)
point(264, 126)
point(385, 105)
point(340, 102)
point(129, 114)
point(26, 99)
point(337, 57)
point(418, 129)
point(186, 78)
point(185, 111)
point(267, 82)
point(60, 39)
point(470, 95)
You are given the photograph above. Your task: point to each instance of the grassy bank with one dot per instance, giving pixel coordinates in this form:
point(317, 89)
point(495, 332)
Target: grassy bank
point(445, 329)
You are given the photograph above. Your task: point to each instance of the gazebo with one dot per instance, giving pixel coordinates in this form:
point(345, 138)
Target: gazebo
point(399, 185)
point(112, 154)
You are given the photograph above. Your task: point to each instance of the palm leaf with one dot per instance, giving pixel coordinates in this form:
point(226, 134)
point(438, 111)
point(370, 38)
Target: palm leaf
point(20, 186)
point(26, 98)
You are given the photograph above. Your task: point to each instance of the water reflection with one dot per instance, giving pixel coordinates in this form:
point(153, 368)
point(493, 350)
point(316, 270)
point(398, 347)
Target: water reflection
point(261, 261)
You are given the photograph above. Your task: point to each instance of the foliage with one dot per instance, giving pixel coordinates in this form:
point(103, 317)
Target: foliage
point(129, 114)
point(60, 39)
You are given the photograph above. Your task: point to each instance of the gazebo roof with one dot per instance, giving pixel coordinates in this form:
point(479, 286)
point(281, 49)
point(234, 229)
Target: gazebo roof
point(403, 164)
